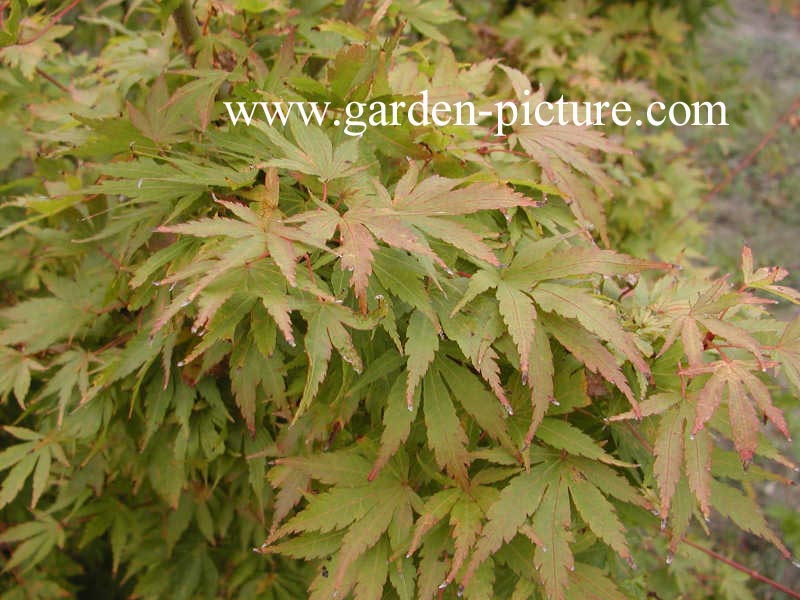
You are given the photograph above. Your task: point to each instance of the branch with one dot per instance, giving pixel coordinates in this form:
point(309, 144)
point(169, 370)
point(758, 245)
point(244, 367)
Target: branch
point(744, 163)
point(351, 9)
point(187, 25)
point(747, 571)
point(53, 20)
point(753, 153)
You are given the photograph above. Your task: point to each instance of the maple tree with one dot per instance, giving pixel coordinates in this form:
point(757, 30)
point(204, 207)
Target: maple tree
point(428, 362)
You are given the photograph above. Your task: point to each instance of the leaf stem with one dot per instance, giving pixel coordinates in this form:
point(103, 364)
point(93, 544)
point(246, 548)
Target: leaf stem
point(52, 80)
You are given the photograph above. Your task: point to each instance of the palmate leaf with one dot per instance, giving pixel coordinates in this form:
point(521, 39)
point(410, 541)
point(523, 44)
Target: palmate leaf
point(765, 278)
point(426, 17)
point(517, 502)
point(326, 330)
point(363, 511)
point(577, 303)
point(733, 380)
point(358, 229)
point(73, 307)
point(313, 152)
point(403, 221)
point(521, 287)
point(561, 151)
point(701, 320)
point(35, 538)
point(269, 230)
point(461, 386)
point(537, 503)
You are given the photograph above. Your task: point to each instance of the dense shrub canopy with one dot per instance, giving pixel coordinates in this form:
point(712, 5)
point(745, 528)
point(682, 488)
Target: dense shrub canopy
point(422, 363)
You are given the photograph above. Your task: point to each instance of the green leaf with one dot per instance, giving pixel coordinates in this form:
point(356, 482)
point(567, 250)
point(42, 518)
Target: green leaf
point(371, 572)
point(563, 436)
point(519, 315)
point(41, 475)
point(743, 511)
point(313, 154)
point(477, 401)
point(553, 559)
point(446, 437)
point(517, 501)
point(574, 261)
point(599, 514)
point(397, 420)
point(13, 482)
point(590, 352)
point(576, 303)
point(422, 342)
point(590, 583)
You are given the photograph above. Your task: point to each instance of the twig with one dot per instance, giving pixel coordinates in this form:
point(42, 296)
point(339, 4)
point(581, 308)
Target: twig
point(746, 570)
point(3, 6)
point(754, 152)
point(53, 20)
point(744, 163)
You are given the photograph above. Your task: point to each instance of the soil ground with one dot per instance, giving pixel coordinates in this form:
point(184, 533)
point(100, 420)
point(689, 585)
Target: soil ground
point(761, 206)
point(758, 50)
